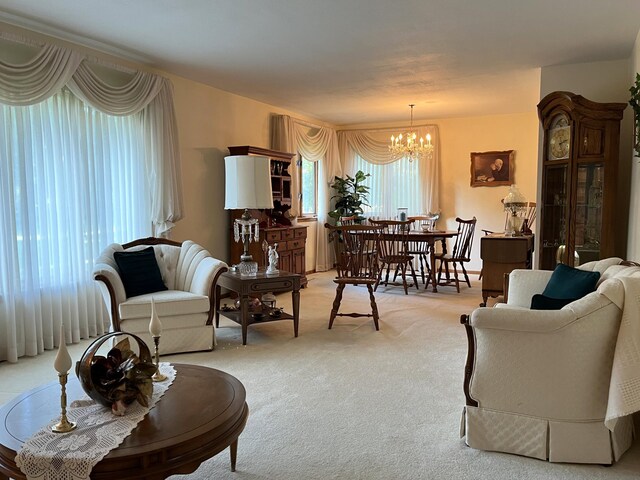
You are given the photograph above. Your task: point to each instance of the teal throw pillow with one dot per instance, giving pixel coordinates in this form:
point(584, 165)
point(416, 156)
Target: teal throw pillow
point(139, 272)
point(570, 283)
point(540, 302)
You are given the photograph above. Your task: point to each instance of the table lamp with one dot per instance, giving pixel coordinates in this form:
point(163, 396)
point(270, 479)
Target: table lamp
point(514, 203)
point(247, 186)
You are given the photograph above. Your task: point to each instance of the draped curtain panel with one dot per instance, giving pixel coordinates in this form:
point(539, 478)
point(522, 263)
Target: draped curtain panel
point(316, 144)
point(72, 147)
point(372, 146)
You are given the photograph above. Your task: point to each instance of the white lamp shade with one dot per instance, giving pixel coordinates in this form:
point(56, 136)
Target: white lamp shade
point(247, 182)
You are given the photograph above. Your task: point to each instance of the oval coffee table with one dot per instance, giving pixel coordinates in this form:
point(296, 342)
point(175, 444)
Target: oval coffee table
point(201, 414)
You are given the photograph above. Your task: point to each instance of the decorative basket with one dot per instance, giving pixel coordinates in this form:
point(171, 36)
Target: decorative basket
point(84, 365)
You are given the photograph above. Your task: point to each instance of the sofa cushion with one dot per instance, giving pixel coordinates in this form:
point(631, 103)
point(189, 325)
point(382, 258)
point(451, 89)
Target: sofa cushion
point(570, 283)
point(168, 303)
point(139, 272)
point(542, 302)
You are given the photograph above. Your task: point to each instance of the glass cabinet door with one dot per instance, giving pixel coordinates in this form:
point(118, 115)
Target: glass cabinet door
point(588, 215)
point(554, 216)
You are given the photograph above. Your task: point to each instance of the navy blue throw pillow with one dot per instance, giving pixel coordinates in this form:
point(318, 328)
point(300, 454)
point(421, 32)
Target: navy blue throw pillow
point(570, 283)
point(139, 272)
point(540, 302)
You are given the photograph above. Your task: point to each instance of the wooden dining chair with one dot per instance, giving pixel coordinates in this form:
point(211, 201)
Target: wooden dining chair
point(355, 248)
point(460, 254)
point(393, 254)
point(419, 250)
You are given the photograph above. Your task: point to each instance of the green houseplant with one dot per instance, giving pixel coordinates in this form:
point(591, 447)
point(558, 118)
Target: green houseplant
point(350, 196)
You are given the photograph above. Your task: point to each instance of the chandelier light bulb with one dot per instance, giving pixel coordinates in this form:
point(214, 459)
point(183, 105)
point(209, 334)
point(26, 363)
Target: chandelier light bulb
point(409, 148)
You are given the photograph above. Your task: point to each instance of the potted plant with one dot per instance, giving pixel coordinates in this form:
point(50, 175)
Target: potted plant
point(351, 195)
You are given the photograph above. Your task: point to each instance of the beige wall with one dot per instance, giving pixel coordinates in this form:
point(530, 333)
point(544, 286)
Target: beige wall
point(461, 136)
point(605, 82)
point(210, 120)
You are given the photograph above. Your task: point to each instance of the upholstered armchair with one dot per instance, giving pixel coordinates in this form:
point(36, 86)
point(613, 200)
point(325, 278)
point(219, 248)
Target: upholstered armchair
point(185, 304)
point(543, 383)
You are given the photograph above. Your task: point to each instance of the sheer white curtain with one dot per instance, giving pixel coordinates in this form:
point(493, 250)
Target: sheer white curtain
point(393, 184)
point(82, 164)
point(316, 144)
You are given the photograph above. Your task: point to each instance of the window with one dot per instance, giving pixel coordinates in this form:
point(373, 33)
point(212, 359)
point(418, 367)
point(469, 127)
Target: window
point(392, 186)
point(309, 189)
point(72, 181)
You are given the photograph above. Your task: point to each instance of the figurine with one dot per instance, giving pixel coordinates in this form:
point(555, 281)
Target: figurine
point(273, 260)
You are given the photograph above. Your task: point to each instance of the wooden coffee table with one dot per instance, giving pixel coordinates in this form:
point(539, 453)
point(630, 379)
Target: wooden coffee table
point(201, 414)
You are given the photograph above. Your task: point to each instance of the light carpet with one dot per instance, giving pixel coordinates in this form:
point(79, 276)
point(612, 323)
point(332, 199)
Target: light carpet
point(353, 403)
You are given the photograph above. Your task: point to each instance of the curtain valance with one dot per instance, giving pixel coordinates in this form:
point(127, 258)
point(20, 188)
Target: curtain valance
point(373, 147)
point(54, 67)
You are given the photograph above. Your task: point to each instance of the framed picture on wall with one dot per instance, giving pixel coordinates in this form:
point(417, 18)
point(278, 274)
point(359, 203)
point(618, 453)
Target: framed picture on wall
point(492, 169)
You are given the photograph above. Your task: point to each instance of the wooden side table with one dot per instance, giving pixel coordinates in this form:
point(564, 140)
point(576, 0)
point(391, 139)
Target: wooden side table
point(256, 285)
point(501, 254)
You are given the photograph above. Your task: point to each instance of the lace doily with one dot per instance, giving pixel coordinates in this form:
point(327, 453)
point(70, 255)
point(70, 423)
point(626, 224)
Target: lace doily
point(71, 456)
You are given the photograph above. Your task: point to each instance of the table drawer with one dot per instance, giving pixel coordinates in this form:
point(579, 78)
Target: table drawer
point(272, 286)
point(300, 232)
point(287, 234)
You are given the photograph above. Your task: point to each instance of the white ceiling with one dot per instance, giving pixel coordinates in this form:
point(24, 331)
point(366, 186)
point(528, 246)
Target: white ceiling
point(351, 61)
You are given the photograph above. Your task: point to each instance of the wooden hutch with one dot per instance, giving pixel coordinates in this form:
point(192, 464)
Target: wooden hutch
point(274, 229)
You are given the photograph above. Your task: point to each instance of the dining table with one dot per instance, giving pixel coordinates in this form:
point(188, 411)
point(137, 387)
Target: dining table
point(430, 238)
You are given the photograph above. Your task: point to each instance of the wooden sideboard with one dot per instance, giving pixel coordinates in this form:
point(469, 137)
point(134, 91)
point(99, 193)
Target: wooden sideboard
point(501, 254)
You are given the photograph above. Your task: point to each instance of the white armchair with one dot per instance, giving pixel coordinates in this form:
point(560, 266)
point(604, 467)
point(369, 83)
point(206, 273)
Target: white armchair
point(537, 381)
point(186, 309)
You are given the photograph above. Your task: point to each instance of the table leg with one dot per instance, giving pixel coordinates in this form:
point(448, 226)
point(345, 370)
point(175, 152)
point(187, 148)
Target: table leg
point(233, 451)
point(218, 293)
point(295, 297)
point(432, 258)
point(244, 314)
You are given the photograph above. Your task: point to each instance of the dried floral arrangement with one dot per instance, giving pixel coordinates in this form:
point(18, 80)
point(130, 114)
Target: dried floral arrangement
point(120, 378)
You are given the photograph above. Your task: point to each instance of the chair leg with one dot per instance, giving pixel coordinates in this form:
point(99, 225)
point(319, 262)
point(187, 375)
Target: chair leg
point(403, 267)
point(466, 277)
point(374, 307)
point(379, 279)
point(413, 274)
point(336, 304)
point(455, 277)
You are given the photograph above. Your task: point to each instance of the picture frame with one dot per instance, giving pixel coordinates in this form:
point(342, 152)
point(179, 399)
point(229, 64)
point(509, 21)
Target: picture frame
point(492, 169)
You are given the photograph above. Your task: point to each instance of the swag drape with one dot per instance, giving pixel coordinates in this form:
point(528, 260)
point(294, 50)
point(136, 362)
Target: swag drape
point(58, 157)
point(316, 144)
point(55, 67)
point(372, 146)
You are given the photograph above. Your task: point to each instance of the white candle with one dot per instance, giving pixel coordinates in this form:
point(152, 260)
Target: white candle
point(155, 327)
point(62, 363)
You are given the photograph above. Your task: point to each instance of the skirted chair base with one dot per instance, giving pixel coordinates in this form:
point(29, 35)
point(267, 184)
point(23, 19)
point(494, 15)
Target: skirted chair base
point(545, 439)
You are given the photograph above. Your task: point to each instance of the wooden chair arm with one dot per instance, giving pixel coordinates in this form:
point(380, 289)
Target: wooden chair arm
point(115, 316)
point(468, 368)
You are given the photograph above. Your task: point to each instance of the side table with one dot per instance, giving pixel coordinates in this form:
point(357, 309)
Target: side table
point(256, 285)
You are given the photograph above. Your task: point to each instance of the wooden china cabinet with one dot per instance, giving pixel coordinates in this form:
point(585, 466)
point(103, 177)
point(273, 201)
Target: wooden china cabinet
point(274, 228)
point(579, 208)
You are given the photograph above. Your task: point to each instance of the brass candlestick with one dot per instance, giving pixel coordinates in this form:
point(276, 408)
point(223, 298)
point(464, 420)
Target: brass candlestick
point(64, 425)
point(62, 364)
point(157, 377)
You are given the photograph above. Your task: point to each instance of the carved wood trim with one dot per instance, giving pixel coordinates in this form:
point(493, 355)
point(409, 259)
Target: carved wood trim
point(468, 368)
point(212, 296)
point(151, 241)
point(115, 316)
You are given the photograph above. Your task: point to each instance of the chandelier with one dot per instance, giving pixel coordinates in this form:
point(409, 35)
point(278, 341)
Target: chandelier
point(407, 146)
